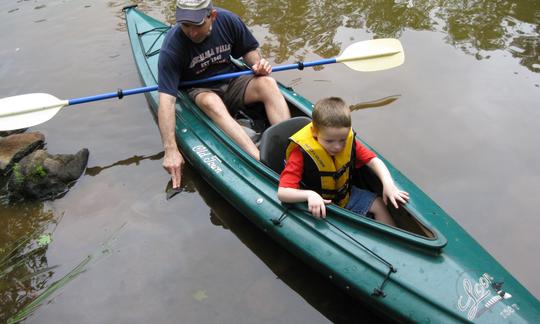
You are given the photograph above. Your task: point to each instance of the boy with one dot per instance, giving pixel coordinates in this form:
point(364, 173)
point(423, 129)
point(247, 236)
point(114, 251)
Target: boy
point(323, 156)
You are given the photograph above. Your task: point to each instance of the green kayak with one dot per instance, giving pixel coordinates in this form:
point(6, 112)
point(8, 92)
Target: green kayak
point(427, 269)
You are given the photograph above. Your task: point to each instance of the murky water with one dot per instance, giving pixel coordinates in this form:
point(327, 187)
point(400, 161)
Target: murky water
point(459, 118)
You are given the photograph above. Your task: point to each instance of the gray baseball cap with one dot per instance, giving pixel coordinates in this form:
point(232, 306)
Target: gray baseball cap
point(192, 11)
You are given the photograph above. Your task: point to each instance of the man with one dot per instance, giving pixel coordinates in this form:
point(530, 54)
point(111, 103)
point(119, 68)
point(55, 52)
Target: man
point(200, 46)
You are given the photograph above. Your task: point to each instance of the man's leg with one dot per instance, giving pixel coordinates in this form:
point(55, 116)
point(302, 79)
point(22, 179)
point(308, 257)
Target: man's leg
point(212, 105)
point(265, 89)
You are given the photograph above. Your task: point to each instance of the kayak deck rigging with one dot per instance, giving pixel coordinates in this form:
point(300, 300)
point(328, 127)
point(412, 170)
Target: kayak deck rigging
point(377, 292)
point(161, 32)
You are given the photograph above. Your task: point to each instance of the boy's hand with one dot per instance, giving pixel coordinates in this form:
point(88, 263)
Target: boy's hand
point(392, 193)
point(316, 204)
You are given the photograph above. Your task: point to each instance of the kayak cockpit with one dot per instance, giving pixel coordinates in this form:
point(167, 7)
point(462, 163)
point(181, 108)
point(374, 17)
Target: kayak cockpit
point(365, 178)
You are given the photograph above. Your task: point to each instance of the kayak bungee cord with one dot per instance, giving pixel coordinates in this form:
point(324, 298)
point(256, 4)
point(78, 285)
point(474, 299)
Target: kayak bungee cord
point(377, 292)
point(278, 221)
point(161, 31)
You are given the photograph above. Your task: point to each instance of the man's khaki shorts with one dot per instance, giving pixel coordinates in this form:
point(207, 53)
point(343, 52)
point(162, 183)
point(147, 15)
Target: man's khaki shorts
point(232, 93)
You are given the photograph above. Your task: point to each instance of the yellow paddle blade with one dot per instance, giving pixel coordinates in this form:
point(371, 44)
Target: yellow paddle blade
point(373, 55)
point(28, 110)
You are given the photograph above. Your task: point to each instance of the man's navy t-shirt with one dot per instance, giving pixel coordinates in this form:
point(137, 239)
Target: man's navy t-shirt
point(181, 59)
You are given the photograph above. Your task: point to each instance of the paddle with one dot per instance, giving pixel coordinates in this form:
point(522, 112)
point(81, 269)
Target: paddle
point(35, 108)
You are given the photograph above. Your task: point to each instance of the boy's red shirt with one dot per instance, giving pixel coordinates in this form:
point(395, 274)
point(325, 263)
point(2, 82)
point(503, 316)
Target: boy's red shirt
point(292, 173)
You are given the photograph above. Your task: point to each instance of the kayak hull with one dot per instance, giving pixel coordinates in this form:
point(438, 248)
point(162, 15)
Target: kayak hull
point(434, 273)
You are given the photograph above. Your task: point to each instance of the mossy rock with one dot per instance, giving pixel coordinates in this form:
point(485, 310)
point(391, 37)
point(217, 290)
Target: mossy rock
point(41, 175)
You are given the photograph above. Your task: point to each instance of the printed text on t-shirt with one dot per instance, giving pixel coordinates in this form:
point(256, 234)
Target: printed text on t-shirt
point(213, 55)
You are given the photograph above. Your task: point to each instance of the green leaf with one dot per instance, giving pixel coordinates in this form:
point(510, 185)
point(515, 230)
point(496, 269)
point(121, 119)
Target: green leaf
point(200, 295)
point(44, 240)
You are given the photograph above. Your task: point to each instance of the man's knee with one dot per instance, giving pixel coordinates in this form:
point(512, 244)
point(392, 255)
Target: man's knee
point(210, 103)
point(265, 83)
point(206, 99)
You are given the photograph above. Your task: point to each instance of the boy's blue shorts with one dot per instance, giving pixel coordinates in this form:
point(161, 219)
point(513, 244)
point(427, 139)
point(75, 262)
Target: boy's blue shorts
point(360, 201)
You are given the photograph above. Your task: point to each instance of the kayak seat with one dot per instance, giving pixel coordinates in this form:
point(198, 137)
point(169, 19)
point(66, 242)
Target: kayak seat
point(275, 139)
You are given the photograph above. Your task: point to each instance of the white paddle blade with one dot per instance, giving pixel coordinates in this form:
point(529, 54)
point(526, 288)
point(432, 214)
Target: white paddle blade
point(373, 55)
point(28, 110)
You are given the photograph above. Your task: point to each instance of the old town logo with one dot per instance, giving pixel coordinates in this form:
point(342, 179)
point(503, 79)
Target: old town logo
point(479, 294)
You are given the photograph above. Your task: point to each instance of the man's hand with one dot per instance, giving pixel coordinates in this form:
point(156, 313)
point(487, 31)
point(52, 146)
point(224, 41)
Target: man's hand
point(262, 68)
point(316, 204)
point(173, 163)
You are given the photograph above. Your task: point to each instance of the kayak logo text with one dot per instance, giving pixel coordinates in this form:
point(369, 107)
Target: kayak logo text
point(208, 158)
point(473, 297)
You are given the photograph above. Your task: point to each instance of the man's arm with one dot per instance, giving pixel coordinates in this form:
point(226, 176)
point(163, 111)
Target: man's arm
point(259, 65)
point(173, 160)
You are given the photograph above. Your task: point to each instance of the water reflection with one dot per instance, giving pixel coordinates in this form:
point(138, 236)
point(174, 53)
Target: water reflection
point(24, 270)
point(296, 28)
point(475, 27)
point(136, 159)
point(27, 227)
point(377, 103)
point(479, 26)
point(319, 292)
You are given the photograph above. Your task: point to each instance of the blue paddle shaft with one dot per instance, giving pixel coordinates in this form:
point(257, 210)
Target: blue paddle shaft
point(121, 93)
point(278, 68)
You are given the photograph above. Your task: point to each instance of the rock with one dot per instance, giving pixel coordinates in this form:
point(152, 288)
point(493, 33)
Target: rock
point(41, 175)
point(16, 131)
point(16, 146)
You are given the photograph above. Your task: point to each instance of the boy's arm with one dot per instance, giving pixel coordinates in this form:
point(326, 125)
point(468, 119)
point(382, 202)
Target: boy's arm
point(390, 191)
point(289, 182)
point(292, 195)
point(316, 203)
